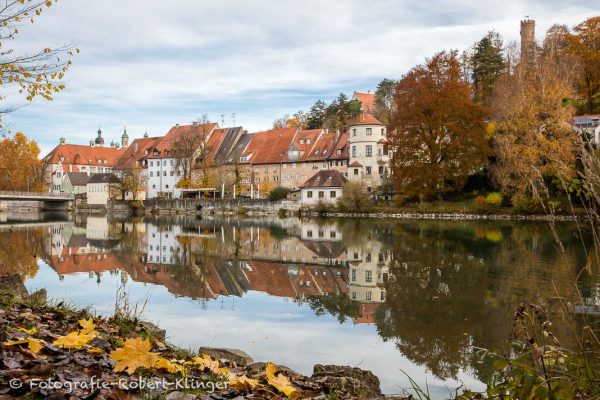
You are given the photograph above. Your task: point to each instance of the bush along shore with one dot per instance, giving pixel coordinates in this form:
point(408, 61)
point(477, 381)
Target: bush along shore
point(54, 351)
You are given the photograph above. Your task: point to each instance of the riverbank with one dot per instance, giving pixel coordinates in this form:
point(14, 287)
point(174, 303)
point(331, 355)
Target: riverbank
point(55, 351)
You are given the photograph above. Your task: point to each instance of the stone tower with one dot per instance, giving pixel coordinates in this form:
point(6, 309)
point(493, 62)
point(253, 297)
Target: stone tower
point(528, 40)
point(124, 138)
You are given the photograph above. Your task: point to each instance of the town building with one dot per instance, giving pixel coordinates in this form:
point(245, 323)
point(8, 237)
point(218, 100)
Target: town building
point(75, 183)
point(101, 188)
point(589, 127)
point(323, 187)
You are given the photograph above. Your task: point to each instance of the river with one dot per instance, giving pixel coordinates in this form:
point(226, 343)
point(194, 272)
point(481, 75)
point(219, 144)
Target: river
point(383, 295)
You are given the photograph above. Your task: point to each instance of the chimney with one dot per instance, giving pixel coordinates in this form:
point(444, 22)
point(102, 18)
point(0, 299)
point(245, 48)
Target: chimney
point(326, 130)
point(135, 147)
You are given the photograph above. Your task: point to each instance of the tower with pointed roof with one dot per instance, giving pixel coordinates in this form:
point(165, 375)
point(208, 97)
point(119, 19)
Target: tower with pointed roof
point(124, 137)
point(99, 140)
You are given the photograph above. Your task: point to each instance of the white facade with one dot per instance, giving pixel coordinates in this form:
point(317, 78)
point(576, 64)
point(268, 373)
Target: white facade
point(314, 195)
point(163, 246)
point(367, 148)
point(368, 273)
point(100, 193)
point(163, 176)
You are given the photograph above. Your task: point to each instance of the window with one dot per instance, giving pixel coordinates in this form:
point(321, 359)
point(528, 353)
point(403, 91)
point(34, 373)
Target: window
point(165, 173)
point(369, 131)
point(321, 234)
point(172, 162)
point(353, 131)
point(172, 173)
point(356, 171)
point(380, 170)
point(368, 295)
point(369, 150)
point(332, 194)
point(332, 234)
point(368, 170)
point(353, 275)
point(382, 131)
point(338, 151)
point(151, 174)
point(309, 233)
point(164, 162)
point(381, 257)
point(166, 186)
point(382, 296)
point(298, 176)
point(321, 194)
point(368, 257)
point(353, 295)
point(309, 194)
point(353, 151)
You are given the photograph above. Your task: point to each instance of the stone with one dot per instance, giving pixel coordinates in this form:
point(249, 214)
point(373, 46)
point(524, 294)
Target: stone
point(180, 396)
point(237, 356)
point(13, 284)
point(358, 382)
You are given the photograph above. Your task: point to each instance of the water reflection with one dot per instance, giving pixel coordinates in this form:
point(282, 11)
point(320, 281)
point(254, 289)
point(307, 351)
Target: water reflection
point(431, 290)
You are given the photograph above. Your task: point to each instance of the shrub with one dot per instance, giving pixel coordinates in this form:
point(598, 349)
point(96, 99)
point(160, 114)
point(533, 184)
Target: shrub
point(479, 201)
point(354, 197)
point(527, 204)
point(279, 193)
point(494, 199)
point(322, 208)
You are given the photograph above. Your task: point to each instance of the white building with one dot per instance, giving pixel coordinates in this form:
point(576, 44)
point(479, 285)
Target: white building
point(163, 246)
point(101, 188)
point(588, 125)
point(368, 273)
point(323, 187)
point(369, 154)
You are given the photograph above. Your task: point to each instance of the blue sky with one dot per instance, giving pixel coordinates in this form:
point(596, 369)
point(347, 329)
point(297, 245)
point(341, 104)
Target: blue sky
point(151, 65)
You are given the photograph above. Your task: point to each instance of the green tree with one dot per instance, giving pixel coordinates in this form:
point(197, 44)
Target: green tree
point(316, 115)
point(438, 131)
point(341, 111)
point(384, 100)
point(487, 65)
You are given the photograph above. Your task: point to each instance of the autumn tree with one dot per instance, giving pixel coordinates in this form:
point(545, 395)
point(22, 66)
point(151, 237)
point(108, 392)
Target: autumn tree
point(533, 141)
point(341, 111)
point(354, 196)
point(20, 166)
point(36, 74)
point(133, 180)
point(190, 150)
point(584, 43)
point(437, 132)
point(384, 100)
point(487, 65)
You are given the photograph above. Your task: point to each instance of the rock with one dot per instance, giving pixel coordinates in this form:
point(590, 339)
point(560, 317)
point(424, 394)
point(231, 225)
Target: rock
point(237, 356)
point(358, 382)
point(154, 330)
point(39, 296)
point(180, 396)
point(13, 284)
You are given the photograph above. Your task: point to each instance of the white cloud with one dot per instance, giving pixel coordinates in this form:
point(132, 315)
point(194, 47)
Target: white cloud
point(153, 64)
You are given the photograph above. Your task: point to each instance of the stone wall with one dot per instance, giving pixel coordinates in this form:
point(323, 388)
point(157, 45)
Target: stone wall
point(219, 206)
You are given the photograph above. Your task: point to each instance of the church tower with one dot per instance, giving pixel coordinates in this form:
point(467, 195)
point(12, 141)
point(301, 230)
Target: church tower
point(124, 138)
point(528, 40)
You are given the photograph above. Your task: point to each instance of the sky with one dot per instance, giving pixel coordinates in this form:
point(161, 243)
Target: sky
point(151, 65)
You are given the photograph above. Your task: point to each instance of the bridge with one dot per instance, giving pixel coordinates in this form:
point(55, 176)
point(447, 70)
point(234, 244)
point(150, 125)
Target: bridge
point(47, 200)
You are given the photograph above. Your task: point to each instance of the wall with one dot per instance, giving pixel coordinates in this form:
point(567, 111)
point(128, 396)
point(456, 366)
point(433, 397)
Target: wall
point(359, 140)
point(327, 195)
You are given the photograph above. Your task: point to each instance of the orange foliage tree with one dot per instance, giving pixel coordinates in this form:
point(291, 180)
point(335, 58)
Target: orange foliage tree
point(437, 132)
point(20, 166)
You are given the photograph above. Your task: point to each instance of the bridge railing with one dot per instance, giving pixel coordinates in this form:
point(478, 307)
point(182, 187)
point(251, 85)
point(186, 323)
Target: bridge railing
point(35, 194)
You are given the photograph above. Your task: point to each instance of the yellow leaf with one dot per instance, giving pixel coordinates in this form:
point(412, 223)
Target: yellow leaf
point(74, 340)
point(205, 362)
point(87, 326)
point(169, 366)
point(242, 382)
point(33, 344)
point(31, 331)
point(95, 350)
point(280, 382)
point(133, 355)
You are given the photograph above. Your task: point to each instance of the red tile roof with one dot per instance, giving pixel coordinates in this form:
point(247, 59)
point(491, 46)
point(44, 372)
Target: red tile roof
point(168, 141)
point(305, 140)
point(355, 164)
point(214, 143)
point(367, 100)
point(342, 145)
point(270, 146)
point(323, 147)
point(84, 155)
point(138, 150)
point(365, 119)
point(325, 178)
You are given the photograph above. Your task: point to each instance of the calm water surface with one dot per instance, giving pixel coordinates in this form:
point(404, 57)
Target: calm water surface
point(381, 295)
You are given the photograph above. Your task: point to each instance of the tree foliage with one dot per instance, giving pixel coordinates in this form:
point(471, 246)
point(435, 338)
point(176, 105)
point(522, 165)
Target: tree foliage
point(384, 100)
point(438, 131)
point(340, 112)
point(354, 196)
point(36, 74)
point(191, 149)
point(487, 65)
point(584, 43)
point(533, 141)
point(316, 115)
point(20, 166)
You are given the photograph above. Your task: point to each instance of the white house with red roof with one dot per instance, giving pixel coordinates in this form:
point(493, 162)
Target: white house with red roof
point(369, 151)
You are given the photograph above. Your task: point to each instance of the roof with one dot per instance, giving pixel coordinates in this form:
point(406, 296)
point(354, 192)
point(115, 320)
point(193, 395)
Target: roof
point(355, 164)
point(84, 155)
point(175, 133)
point(342, 145)
point(325, 178)
point(240, 147)
point(214, 143)
point(78, 178)
point(323, 147)
point(305, 140)
point(367, 100)
point(232, 136)
point(104, 178)
point(137, 151)
point(365, 119)
point(270, 146)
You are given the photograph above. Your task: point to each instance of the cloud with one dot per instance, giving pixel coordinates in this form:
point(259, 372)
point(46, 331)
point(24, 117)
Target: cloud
point(154, 64)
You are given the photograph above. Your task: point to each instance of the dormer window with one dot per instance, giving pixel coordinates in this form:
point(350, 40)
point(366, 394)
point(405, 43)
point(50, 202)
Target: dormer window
point(339, 151)
point(155, 152)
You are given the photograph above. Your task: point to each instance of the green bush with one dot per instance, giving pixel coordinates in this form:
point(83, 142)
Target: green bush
point(494, 199)
point(527, 204)
point(279, 193)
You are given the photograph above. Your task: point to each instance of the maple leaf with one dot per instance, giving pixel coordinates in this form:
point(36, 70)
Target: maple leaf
point(242, 383)
point(169, 366)
point(133, 355)
point(205, 362)
point(74, 340)
point(87, 326)
point(280, 382)
point(31, 331)
point(35, 345)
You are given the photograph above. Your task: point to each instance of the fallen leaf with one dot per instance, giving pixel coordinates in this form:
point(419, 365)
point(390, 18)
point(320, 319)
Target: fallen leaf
point(169, 366)
point(87, 326)
point(206, 362)
point(280, 382)
point(31, 331)
point(133, 355)
point(73, 340)
point(35, 345)
point(242, 383)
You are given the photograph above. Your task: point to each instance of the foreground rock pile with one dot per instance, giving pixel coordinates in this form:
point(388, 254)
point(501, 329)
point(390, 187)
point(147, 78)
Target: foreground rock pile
point(54, 352)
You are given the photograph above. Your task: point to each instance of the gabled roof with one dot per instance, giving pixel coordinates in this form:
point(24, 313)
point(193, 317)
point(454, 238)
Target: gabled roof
point(305, 140)
point(367, 100)
point(77, 178)
point(84, 155)
point(175, 133)
point(214, 143)
point(323, 147)
point(138, 150)
point(325, 178)
point(270, 146)
point(239, 149)
point(342, 145)
point(232, 136)
point(365, 119)
point(104, 178)
point(355, 164)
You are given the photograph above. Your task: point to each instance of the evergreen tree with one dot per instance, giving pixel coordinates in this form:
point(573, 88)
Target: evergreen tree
point(384, 100)
point(487, 65)
point(316, 115)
